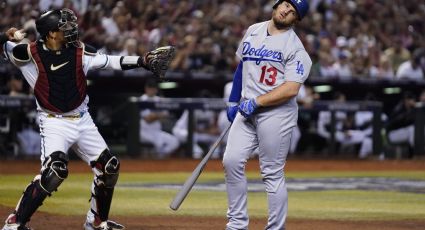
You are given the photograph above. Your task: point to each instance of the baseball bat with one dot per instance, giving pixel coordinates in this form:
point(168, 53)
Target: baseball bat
point(187, 186)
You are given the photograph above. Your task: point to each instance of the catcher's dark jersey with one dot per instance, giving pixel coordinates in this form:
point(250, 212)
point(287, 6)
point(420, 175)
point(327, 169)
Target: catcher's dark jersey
point(58, 79)
point(61, 84)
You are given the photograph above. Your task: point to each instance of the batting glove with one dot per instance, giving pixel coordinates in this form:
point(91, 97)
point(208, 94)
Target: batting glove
point(231, 112)
point(248, 107)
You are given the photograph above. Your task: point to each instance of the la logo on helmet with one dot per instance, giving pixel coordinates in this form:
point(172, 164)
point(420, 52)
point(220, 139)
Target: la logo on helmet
point(299, 1)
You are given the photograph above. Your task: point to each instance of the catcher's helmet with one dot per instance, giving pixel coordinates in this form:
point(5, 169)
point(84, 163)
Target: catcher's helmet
point(59, 20)
point(301, 6)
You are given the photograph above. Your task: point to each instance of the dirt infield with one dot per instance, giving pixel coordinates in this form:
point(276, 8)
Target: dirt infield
point(181, 165)
point(45, 221)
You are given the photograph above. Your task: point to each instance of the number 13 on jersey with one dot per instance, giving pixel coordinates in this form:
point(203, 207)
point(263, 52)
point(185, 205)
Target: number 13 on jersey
point(268, 75)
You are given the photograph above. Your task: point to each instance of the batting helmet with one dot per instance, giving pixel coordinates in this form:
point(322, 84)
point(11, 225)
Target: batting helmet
point(59, 20)
point(301, 6)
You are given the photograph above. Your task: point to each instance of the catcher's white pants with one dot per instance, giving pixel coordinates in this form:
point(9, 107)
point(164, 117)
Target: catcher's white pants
point(62, 133)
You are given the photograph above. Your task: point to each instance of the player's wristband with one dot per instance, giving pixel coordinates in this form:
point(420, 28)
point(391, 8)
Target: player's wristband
point(131, 62)
point(229, 104)
point(3, 38)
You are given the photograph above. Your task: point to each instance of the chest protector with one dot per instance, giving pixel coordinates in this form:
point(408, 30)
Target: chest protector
point(61, 84)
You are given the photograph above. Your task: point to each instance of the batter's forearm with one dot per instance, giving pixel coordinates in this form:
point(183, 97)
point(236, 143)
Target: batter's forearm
point(235, 94)
point(279, 95)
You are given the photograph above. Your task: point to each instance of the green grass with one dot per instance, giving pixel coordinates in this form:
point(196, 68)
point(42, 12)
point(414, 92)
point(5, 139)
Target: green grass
point(74, 193)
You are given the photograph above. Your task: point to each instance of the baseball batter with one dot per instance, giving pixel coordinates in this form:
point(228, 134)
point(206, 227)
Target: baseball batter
point(55, 66)
point(273, 66)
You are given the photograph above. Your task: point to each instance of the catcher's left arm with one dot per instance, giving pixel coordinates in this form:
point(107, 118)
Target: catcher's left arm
point(157, 61)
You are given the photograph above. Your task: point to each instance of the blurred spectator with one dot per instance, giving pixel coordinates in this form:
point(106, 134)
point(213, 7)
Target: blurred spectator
point(23, 123)
point(411, 69)
point(110, 25)
point(205, 134)
point(346, 133)
point(45, 5)
point(341, 46)
point(16, 86)
point(326, 67)
point(345, 38)
point(151, 127)
point(400, 125)
point(384, 69)
point(397, 54)
point(325, 59)
point(29, 139)
point(343, 66)
point(363, 121)
point(215, 27)
point(111, 47)
point(130, 47)
point(206, 129)
point(305, 98)
point(181, 61)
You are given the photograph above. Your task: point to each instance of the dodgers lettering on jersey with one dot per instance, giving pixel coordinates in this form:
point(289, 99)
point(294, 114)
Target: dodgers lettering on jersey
point(260, 54)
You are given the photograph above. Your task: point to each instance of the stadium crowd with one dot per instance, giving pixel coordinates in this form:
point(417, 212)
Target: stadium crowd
point(373, 39)
point(362, 38)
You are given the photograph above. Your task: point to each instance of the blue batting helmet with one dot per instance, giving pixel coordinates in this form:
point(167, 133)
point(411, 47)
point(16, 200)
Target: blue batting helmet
point(301, 6)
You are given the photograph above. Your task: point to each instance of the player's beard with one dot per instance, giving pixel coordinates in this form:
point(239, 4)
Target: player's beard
point(280, 24)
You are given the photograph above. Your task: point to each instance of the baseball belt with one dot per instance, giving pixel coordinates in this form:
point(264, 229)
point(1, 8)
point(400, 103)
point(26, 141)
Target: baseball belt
point(71, 116)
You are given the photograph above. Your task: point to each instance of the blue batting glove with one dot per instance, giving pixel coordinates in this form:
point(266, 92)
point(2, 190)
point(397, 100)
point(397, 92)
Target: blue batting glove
point(248, 107)
point(231, 112)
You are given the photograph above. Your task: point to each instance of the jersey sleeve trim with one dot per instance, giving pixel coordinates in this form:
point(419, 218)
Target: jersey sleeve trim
point(89, 50)
point(106, 62)
point(20, 53)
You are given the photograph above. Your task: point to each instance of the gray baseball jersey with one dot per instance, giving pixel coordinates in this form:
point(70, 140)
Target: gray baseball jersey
point(268, 62)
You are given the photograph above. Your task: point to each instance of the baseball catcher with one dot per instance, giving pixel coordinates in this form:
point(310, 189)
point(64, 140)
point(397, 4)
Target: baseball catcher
point(55, 66)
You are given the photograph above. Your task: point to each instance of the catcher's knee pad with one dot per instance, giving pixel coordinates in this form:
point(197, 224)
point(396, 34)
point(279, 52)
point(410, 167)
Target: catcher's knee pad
point(54, 171)
point(106, 168)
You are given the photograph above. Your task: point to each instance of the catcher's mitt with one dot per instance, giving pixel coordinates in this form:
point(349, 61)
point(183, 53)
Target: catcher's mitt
point(159, 60)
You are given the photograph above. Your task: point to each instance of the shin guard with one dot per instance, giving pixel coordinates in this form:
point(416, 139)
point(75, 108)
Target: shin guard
point(106, 170)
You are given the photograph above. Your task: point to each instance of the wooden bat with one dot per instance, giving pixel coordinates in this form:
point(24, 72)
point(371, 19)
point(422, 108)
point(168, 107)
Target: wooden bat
point(187, 186)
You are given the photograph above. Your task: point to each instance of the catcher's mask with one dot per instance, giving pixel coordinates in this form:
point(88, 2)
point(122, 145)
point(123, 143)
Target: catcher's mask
point(59, 20)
